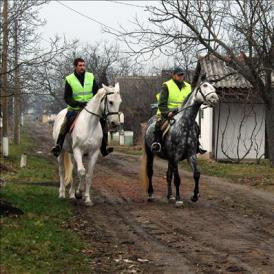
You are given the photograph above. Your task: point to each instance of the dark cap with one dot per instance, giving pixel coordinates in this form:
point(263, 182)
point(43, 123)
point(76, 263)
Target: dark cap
point(178, 71)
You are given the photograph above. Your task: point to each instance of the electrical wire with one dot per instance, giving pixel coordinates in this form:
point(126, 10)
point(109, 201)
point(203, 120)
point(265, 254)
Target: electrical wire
point(126, 4)
point(86, 16)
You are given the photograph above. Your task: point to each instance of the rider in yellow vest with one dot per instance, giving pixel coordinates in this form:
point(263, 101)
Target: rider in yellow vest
point(172, 95)
point(80, 87)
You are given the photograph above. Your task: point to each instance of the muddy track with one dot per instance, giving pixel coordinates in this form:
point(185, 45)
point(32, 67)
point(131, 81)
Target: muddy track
point(230, 229)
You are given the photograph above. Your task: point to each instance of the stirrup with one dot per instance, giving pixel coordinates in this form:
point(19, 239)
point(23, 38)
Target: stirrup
point(156, 147)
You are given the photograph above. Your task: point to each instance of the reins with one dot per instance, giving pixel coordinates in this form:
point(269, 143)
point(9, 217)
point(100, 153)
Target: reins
point(105, 114)
point(204, 97)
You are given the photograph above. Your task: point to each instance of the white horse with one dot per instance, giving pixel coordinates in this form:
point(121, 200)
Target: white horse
point(86, 139)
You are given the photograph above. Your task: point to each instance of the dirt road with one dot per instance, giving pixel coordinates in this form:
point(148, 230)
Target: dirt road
point(230, 229)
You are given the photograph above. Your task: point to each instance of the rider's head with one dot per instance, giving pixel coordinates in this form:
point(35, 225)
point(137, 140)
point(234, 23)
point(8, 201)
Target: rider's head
point(79, 65)
point(178, 75)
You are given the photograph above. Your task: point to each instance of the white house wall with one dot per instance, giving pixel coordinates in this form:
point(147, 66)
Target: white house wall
point(241, 130)
point(206, 126)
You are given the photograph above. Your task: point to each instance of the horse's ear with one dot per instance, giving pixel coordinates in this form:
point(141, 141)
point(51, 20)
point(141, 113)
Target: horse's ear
point(203, 78)
point(117, 86)
point(104, 86)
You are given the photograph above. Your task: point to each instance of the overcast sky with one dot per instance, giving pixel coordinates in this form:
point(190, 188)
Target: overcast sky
point(63, 21)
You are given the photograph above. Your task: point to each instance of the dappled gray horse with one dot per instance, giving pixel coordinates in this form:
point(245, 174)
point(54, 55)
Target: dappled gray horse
point(179, 143)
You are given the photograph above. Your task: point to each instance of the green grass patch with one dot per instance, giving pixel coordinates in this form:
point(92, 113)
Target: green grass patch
point(130, 150)
point(38, 169)
point(248, 173)
point(37, 241)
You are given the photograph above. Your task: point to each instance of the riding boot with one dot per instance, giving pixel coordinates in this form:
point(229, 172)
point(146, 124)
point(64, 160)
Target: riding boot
point(56, 150)
point(199, 147)
point(156, 146)
point(104, 150)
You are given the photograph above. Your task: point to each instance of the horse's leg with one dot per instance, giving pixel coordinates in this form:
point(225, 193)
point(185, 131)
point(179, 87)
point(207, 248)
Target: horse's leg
point(72, 186)
point(62, 188)
point(196, 175)
point(91, 165)
point(169, 176)
point(149, 168)
point(78, 157)
point(177, 182)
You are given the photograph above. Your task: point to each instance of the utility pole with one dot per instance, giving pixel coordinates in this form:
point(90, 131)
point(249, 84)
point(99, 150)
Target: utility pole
point(5, 144)
point(17, 97)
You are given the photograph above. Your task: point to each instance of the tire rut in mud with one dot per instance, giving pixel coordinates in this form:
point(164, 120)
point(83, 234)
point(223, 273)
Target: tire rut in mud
point(230, 229)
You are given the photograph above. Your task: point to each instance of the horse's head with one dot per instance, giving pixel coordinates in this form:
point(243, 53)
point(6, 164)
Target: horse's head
point(111, 103)
point(206, 93)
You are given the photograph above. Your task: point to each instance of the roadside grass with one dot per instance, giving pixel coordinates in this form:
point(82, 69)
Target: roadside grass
point(37, 241)
point(260, 175)
point(130, 150)
point(38, 169)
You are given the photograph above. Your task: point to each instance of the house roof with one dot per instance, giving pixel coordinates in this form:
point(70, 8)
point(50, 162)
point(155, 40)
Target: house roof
point(215, 68)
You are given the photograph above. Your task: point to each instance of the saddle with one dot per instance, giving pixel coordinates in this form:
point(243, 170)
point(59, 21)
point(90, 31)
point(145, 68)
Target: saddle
point(165, 127)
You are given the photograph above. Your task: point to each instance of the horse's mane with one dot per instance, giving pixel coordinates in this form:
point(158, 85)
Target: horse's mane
point(188, 96)
point(98, 96)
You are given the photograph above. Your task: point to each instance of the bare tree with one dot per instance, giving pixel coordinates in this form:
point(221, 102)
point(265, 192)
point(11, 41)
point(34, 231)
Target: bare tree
point(105, 61)
point(240, 32)
point(4, 68)
point(21, 54)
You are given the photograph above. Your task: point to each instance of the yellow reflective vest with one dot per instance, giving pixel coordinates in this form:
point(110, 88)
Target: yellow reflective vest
point(81, 93)
point(175, 95)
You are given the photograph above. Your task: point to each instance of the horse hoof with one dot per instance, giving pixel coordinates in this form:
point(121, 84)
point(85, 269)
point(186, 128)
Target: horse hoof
point(89, 203)
point(195, 198)
point(62, 196)
point(151, 199)
point(78, 195)
point(179, 204)
point(82, 172)
point(171, 200)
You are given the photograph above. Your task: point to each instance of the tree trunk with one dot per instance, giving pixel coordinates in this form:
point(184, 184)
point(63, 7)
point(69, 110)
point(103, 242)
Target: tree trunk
point(4, 83)
point(269, 123)
point(17, 103)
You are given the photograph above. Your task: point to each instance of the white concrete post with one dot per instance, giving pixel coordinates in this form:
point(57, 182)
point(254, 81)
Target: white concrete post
point(23, 162)
point(5, 146)
point(122, 133)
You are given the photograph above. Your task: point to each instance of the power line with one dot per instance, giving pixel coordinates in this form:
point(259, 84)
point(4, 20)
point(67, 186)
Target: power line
point(126, 4)
point(86, 16)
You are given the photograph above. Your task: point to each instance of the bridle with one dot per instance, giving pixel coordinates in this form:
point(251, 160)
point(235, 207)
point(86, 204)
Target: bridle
point(106, 112)
point(196, 92)
point(200, 90)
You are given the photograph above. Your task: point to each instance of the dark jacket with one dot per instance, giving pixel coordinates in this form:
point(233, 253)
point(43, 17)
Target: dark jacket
point(68, 95)
point(164, 98)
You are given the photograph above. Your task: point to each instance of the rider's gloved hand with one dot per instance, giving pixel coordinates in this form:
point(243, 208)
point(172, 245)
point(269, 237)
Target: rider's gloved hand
point(170, 114)
point(82, 104)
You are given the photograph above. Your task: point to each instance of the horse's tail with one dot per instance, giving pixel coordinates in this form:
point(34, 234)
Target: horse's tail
point(143, 171)
point(68, 168)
